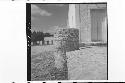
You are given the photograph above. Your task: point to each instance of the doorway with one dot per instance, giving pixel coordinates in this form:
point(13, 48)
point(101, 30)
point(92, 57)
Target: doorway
point(97, 24)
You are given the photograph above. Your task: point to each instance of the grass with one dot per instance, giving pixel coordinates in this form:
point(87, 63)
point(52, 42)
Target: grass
point(42, 67)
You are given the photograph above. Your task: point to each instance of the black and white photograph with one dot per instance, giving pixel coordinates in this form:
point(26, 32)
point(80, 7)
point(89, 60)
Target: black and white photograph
point(62, 41)
point(68, 41)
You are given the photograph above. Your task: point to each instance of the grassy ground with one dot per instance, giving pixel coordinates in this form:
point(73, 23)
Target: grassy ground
point(42, 65)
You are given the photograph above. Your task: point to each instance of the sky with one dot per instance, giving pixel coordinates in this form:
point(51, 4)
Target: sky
point(47, 17)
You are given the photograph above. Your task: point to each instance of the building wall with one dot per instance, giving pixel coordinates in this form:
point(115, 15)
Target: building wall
point(85, 20)
point(85, 23)
point(80, 17)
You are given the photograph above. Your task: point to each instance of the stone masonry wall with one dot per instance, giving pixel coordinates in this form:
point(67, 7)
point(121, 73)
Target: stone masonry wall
point(85, 19)
point(85, 23)
point(65, 40)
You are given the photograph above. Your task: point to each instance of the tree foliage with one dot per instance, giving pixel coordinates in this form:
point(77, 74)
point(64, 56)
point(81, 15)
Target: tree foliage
point(39, 36)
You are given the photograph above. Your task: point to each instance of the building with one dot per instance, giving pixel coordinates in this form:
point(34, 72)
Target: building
point(91, 20)
point(48, 40)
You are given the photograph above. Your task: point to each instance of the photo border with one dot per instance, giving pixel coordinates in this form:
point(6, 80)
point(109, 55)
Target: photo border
point(28, 33)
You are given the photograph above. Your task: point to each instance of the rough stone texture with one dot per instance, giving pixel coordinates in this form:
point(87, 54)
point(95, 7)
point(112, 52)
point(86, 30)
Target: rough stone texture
point(67, 39)
point(87, 64)
point(85, 23)
point(64, 40)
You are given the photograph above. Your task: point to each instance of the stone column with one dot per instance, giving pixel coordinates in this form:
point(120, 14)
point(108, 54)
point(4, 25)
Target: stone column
point(104, 30)
point(85, 21)
point(66, 39)
point(71, 16)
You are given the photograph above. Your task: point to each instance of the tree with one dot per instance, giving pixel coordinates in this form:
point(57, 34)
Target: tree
point(39, 36)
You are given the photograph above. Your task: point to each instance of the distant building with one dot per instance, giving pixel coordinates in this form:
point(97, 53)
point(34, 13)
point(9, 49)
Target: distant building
point(48, 40)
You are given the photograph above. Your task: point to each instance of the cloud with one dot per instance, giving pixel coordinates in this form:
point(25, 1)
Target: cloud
point(59, 5)
point(45, 13)
point(36, 10)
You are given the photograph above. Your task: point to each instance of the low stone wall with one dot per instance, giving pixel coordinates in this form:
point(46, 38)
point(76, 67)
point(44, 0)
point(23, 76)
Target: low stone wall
point(65, 40)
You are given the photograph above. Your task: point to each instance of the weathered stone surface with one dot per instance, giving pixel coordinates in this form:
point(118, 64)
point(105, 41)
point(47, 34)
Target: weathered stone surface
point(65, 40)
point(87, 64)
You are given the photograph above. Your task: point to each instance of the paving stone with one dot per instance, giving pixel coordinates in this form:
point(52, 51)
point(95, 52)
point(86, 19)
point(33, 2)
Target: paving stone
point(88, 64)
